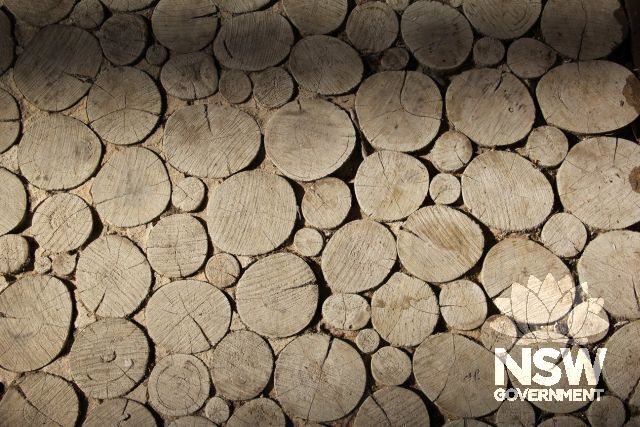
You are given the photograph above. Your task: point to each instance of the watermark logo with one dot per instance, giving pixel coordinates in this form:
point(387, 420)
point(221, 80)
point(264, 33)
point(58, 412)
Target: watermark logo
point(549, 362)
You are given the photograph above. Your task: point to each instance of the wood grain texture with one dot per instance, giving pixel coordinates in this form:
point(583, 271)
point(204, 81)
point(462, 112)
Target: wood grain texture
point(273, 87)
point(217, 410)
point(58, 153)
point(584, 30)
point(253, 41)
point(190, 76)
point(316, 16)
point(451, 151)
point(35, 322)
point(456, 374)
point(367, 340)
point(210, 141)
point(399, 110)
point(177, 245)
point(390, 186)
point(235, 86)
point(262, 411)
point(438, 35)
point(346, 311)
point(61, 223)
point(188, 194)
point(120, 412)
point(488, 52)
point(372, 27)
point(87, 14)
point(358, 257)
point(9, 119)
point(404, 311)
point(606, 412)
point(319, 378)
point(392, 406)
point(179, 385)
point(57, 67)
point(439, 244)
point(564, 235)
point(13, 198)
point(598, 182)
point(124, 105)
point(113, 277)
point(277, 296)
point(547, 146)
point(493, 108)
point(127, 5)
point(192, 421)
point(498, 331)
point(251, 213)
point(39, 12)
point(444, 189)
point(308, 242)
point(610, 266)
point(517, 412)
point(502, 19)
point(529, 58)
point(241, 365)
point(463, 305)
point(394, 59)
point(619, 373)
point(505, 191)
point(308, 139)
point(325, 65)
point(14, 253)
point(326, 203)
point(123, 38)
point(240, 6)
point(40, 399)
point(109, 358)
point(132, 188)
point(187, 316)
point(222, 270)
point(184, 25)
point(589, 97)
point(391, 366)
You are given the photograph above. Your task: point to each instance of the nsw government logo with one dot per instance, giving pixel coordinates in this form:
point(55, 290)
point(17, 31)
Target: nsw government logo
point(548, 359)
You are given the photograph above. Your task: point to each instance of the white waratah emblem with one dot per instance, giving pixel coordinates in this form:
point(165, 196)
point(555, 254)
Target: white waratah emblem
point(555, 306)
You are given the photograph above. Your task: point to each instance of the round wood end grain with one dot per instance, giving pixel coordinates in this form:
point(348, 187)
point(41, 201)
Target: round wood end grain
point(390, 186)
point(439, 243)
point(127, 5)
point(58, 153)
point(109, 358)
point(217, 410)
point(235, 86)
point(516, 413)
point(188, 194)
point(240, 6)
point(609, 411)
point(308, 242)
point(62, 223)
point(132, 188)
point(38, 12)
point(358, 256)
point(390, 366)
point(308, 139)
point(490, 106)
point(113, 277)
point(40, 399)
point(563, 421)
point(346, 311)
point(222, 270)
point(488, 52)
point(253, 41)
point(498, 331)
point(277, 296)
point(177, 245)
point(316, 17)
point(179, 385)
point(35, 322)
point(241, 365)
point(192, 421)
point(599, 182)
point(368, 340)
point(319, 378)
point(451, 151)
point(399, 110)
point(530, 58)
point(463, 305)
point(372, 27)
point(42, 265)
point(502, 20)
point(547, 146)
point(456, 374)
point(394, 406)
point(9, 119)
point(505, 191)
point(123, 38)
point(609, 265)
point(394, 59)
point(190, 76)
point(58, 66)
point(619, 371)
point(590, 97)
point(326, 203)
point(187, 316)
point(273, 87)
point(157, 54)
point(211, 141)
point(88, 14)
point(423, 30)
point(123, 412)
point(172, 20)
point(14, 253)
point(13, 199)
point(404, 311)
point(64, 264)
point(444, 189)
point(124, 105)
point(251, 213)
point(258, 412)
point(584, 30)
point(564, 235)
point(325, 65)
